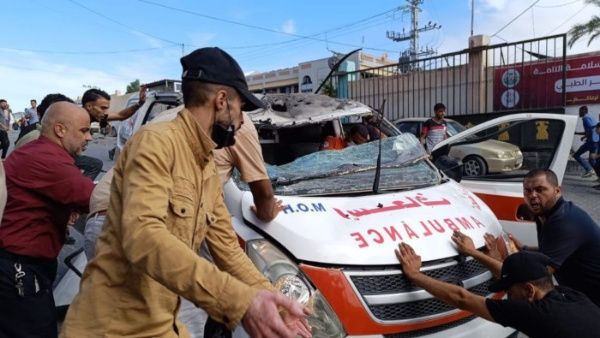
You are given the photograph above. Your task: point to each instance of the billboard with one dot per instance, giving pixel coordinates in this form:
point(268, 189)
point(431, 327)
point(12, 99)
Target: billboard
point(539, 84)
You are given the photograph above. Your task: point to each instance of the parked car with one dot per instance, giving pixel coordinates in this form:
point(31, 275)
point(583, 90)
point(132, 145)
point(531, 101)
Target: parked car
point(332, 247)
point(479, 159)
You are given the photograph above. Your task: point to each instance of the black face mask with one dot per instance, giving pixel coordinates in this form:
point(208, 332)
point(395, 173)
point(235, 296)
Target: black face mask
point(223, 136)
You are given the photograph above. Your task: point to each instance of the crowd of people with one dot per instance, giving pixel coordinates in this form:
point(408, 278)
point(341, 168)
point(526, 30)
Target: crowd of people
point(159, 213)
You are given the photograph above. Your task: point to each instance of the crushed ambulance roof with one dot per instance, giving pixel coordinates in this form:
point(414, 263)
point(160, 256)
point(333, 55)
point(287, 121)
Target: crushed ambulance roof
point(285, 110)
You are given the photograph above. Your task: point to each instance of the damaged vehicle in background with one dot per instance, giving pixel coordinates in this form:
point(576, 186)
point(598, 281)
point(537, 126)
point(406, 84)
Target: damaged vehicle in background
point(332, 247)
point(156, 103)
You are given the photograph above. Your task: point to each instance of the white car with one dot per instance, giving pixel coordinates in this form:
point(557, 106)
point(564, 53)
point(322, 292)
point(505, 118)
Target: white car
point(332, 247)
point(490, 156)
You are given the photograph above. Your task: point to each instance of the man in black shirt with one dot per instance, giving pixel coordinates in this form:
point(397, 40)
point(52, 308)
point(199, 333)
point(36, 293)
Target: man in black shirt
point(533, 307)
point(566, 234)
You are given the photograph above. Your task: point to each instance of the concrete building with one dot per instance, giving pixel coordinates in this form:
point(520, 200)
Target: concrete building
point(307, 76)
point(164, 85)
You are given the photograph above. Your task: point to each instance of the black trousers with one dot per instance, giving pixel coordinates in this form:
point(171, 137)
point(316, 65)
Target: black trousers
point(214, 329)
point(31, 313)
point(4, 142)
point(91, 166)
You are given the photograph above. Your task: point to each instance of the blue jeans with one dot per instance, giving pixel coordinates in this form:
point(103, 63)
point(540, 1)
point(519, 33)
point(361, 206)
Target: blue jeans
point(93, 228)
point(592, 148)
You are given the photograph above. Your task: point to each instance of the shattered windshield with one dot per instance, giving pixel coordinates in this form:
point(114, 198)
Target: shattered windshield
point(352, 170)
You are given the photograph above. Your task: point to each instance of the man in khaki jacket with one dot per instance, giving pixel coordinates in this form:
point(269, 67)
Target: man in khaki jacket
point(166, 198)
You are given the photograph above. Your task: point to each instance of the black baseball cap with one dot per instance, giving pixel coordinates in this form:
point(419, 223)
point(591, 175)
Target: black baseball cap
point(213, 65)
point(523, 266)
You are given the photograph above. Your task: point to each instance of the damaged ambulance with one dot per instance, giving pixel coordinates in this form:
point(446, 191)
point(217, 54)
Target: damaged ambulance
point(346, 210)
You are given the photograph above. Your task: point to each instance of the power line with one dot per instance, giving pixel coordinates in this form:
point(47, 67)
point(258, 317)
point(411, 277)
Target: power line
point(355, 23)
point(124, 25)
point(515, 18)
point(569, 19)
point(299, 43)
point(265, 29)
point(559, 5)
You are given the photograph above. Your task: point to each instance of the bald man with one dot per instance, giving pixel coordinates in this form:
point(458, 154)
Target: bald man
point(44, 186)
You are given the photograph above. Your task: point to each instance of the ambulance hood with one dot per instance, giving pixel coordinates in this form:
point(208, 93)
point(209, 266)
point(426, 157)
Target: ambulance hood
point(365, 230)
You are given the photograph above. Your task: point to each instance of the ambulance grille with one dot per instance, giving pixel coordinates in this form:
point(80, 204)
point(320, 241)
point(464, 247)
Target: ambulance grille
point(422, 308)
point(430, 330)
point(391, 298)
point(393, 283)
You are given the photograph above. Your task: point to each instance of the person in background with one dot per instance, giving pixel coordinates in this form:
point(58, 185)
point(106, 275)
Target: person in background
point(359, 134)
point(434, 130)
point(31, 113)
point(590, 140)
point(372, 126)
point(596, 157)
point(533, 306)
point(4, 126)
point(32, 132)
point(44, 187)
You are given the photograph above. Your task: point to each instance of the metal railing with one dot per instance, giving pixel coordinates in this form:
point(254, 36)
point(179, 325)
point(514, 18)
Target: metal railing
point(501, 78)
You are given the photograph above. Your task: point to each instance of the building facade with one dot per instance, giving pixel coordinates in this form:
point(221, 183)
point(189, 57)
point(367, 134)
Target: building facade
point(306, 77)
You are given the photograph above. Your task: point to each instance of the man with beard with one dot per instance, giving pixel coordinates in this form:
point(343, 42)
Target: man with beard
point(44, 186)
point(566, 234)
point(166, 199)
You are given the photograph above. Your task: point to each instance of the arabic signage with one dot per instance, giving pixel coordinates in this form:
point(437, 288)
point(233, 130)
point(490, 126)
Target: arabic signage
point(539, 84)
point(366, 229)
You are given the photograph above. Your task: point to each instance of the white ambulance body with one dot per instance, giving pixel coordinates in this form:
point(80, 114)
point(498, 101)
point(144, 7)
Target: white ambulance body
point(332, 247)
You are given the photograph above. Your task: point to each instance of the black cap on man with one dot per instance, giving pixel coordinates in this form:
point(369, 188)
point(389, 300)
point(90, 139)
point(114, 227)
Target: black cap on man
point(213, 65)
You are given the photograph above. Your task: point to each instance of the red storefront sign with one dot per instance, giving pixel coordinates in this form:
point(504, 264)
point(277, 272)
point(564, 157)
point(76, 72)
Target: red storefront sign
point(539, 84)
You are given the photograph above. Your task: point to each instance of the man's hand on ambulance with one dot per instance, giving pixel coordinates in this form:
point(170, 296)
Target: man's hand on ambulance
point(269, 215)
point(464, 243)
point(491, 246)
point(516, 242)
point(409, 260)
point(262, 318)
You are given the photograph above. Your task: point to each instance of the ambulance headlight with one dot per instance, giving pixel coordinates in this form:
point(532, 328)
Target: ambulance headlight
point(285, 275)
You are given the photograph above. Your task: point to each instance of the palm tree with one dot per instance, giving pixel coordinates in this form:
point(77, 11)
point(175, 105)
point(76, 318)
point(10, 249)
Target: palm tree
point(591, 28)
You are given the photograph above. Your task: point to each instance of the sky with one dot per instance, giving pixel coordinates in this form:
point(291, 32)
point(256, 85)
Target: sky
point(67, 46)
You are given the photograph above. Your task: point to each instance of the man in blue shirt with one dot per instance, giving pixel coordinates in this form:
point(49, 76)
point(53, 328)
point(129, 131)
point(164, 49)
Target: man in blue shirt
point(566, 234)
point(32, 114)
point(590, 138)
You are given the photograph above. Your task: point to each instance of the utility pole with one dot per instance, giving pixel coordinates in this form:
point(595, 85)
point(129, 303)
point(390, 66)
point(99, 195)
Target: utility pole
point(413, 52)
point(472, 15)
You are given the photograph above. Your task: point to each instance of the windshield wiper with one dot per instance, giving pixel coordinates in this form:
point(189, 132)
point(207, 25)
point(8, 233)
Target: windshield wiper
point(378, 169)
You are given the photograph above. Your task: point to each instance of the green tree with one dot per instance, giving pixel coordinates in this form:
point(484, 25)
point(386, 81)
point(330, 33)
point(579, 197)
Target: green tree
point(329, 90)
point(134, 86)
point(591, 28)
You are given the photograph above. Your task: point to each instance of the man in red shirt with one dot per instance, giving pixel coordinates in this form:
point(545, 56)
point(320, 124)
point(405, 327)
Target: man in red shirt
point(44, 186)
